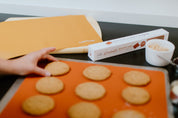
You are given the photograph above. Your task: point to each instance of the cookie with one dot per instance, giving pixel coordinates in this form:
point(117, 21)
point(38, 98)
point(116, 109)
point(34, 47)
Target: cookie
point(57, 68)
point(135, 95)
point(49, 85)
point(84, 110)
point(136, 78)
point(96, 72)
point(90, 91)
point(128, 114)
point(38, 105)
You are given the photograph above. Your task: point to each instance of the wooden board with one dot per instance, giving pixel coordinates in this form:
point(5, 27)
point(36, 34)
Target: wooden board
point(82, 49)
point(24, 36)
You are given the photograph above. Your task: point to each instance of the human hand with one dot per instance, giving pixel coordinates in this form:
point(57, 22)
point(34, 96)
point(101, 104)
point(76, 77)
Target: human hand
point(28, 64)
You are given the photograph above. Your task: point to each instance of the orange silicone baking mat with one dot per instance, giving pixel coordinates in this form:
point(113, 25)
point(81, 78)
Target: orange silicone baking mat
point(112, 102)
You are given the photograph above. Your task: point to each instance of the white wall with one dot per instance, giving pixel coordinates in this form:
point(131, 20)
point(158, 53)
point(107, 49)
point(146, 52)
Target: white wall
point(144, 12)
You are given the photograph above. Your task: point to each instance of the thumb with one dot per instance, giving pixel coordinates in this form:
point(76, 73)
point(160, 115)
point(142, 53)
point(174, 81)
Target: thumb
point(42, 72)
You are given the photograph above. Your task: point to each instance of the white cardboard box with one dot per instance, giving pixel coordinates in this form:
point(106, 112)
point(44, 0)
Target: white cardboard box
point(125, 44)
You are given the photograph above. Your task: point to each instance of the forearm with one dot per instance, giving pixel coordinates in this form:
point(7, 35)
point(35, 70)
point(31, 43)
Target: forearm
point(27, 64)
point(6, 67)
point(15, 66)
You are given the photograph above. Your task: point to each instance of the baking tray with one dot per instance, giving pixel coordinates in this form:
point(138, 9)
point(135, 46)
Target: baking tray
point(158, 107)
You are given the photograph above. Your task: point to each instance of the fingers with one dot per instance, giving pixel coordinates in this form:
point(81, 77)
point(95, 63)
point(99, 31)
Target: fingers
point(49, 57)
point(34, 57)
point(45, 51)
point(50, 49)
point(42, 72)
point(44, 54)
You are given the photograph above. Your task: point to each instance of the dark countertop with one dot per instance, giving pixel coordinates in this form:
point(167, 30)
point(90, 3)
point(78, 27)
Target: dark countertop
point(109, 31)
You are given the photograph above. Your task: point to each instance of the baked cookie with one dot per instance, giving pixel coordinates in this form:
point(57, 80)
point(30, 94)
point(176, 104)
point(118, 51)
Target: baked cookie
point(90, 91)
point(57, 68)
point(96, 72)
point(135, 95)
point(136, 78)
point(84, 110)
point(38, 105)
point(49, 85)
point(128, 114)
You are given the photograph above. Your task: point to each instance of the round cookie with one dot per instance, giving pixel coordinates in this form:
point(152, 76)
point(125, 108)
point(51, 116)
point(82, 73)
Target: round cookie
point(90, 91)
point(49, 85)
point(57, 68)
point(128, 114)
point(136, 78)
point(84, 110)
point(135, 95)
point(96, 72)
point(38, 105)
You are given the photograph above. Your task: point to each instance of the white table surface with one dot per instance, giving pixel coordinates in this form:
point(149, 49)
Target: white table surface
point(143, 12)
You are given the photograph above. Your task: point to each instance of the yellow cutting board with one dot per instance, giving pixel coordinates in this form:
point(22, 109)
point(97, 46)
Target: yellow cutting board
point(81, 49)
point(24, 36)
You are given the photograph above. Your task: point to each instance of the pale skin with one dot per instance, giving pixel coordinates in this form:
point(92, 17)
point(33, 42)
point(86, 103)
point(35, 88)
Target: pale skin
point(27, 64)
